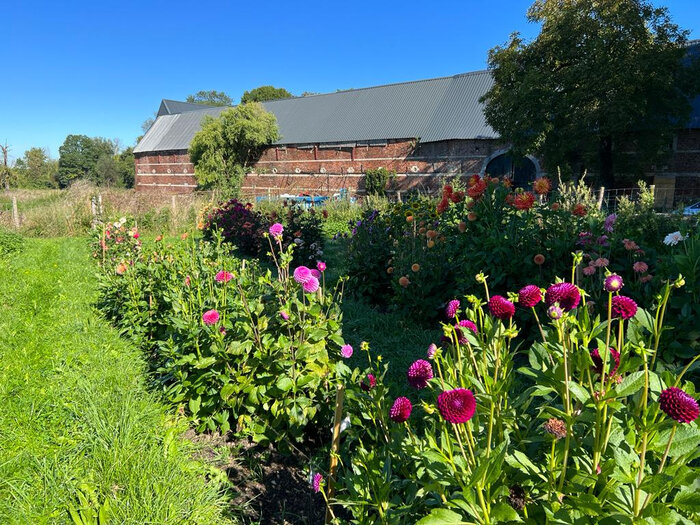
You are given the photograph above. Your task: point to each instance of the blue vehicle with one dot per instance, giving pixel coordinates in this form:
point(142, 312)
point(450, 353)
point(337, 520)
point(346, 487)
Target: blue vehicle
point(693, 209)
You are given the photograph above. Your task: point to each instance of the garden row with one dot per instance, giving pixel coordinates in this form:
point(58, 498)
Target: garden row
point(551, 397)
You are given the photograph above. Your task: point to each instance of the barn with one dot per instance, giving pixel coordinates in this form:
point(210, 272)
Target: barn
point(423, 130)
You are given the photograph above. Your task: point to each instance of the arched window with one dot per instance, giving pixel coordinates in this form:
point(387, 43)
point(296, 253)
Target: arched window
point(521, 171)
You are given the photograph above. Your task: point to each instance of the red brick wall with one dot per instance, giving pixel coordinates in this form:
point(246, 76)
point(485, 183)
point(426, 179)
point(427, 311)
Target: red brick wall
point(165, 171)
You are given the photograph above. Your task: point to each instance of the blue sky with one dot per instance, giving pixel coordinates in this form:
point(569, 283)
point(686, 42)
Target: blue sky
point(101, 69)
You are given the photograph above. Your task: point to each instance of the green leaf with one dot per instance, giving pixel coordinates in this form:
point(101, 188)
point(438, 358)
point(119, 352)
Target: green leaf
point(688, 501)
point(441, 517)
point(227, 390)
point(580, 393)
point(284, 383)
point(686, 440)
point(194, 405)
point(504, 512)
point(630, 384)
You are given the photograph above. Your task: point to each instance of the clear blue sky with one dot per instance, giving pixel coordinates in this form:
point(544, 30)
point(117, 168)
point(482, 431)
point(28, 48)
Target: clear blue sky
point(101, 68)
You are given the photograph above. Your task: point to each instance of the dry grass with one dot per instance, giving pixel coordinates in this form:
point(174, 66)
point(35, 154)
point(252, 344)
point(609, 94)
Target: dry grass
point(58, 213)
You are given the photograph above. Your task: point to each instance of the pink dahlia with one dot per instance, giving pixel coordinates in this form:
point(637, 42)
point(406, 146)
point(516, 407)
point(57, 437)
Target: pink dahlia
point(419, 373)
point(501, 308)
point(598, 361)
point(456, 406)
point(370, 384)
point(318, 479)
point(678, 405)
point(320, 266)
point(464, 323)
point(640, 267)
point(554, 312)
point(316, 273)
point(311, 285)
point(284, 315)
point(613, 283)
point(346, 351)
point(566, 294)
point(223, 277)
point(589, 270)
point(452, 308)
point(302, 274)
point(430, 354)
point(210, 317)
point(529, 296)
point(400, 410)
point(276, 230)
point(624, 307)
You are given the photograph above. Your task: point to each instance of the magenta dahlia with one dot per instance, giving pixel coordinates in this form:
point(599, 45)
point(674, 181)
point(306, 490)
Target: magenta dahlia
point(430, 354)
point(566, 294)
point(529, 296)
point(452, 308)
point(456, 406)
point(554, 312)
point(223, 277)
point(316, 273)
point(210, 317)
point(400, 410)
point(311, 285)
point(318, 479)
point(501, 308)
point(276, 230)
point(613, 283)
point(302, 274)
point(369, 384)
point(678, 405)
point(346, 351)
point(598, 361)
point(320, 266)
point(419, 373)
point(284, 315)
point(624, 307)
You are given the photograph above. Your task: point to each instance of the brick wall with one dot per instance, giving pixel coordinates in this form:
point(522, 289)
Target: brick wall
point(165, 171)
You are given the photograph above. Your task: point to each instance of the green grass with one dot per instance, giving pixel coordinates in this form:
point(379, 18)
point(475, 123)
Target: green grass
point(76, 416)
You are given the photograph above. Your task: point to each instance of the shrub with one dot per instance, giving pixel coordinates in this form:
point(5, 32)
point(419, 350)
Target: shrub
point(239, 224)
point(376, 180)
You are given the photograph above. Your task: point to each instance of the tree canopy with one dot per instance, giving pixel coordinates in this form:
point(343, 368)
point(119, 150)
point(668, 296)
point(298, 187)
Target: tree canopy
point(265, 93)
point(94, 159)
point(603, 86)
point(35, 169)
point(210, 98)
point(224, 146)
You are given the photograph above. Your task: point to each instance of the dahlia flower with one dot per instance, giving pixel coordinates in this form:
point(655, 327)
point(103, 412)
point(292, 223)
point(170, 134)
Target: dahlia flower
point(346, 351)
point(542, 186)
point(370, 384)
point(555, 427)
point(589, 270)
point(284, 315)
point(302, 274)
point(613, 283)
point(678, 405)
point(223, 277)
point(598, 361)
point(566, 294)
point(321, 266)
point(276, 230)
point(311, 285)
point(624, 307)
point(430, 354)
point(674, 238)
point(554, 312)
point(538, 259)
point(452, 308)
point(456, 406)
point(579, 210)
point(524, 201)
point(529, 296)
point(315, 273)
point(640, 267)
point(501, 308)
point(318, 479)
point(401, 410)
point(419, 373)
point(210, 317)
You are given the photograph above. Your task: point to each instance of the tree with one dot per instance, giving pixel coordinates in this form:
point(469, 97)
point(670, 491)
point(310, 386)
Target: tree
point(210, 98)
point(603, 86)
point(78, 156)
point(224, 146)
point(265, 93)
point(36, 169)
point(5, 171)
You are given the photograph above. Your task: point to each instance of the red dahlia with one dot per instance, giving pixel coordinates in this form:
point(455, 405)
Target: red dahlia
point(419, 373)
point(524, 201)
point(501, 308)
point(598, 361)
point(370, 384)
point(529, 296)
point(456, 406)
point(624, 307)
point(452, 308)
point(678, 405)
point(400, 410)
point(566, 294)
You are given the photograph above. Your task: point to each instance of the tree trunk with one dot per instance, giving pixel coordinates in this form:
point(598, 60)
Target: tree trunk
point(605, 157)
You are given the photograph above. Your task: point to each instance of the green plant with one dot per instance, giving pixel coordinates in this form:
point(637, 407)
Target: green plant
point(10, 242)
point(376, 180)
point(239, 225)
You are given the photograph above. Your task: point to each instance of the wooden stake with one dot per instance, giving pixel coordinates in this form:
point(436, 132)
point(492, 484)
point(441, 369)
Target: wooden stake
point(335, 447)
point(15, 213)
point(601, 194)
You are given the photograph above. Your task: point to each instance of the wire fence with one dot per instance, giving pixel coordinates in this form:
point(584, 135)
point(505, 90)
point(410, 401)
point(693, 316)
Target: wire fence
point(665, 199)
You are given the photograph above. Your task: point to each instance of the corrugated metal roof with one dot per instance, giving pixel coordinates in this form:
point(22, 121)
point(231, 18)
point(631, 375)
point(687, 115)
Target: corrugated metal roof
point(170, 107)
point(431, 110)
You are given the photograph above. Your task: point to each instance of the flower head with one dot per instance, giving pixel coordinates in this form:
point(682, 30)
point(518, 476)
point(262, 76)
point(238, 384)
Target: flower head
point(210, 317)
point(401, 410)
point(542, 186)
point(601, 262)
point(320, 265)
point(566, 295)
point(302, 274)
point(284, 315)
point(624, 307)
point(430, 354)
point(452, 308)
point(276, 230)
point(609, 222)
point(501, 308)
point(598, 361)
point(456, 406)
point(640, 267)
point(674, 238)
point(121, 268)
point(613, 283)
point(223, 277)
point(315, 273)
point(555, 427)
point(589, 270)
point(529, 296)
point(538, 259)
point(318, 480)
point(311, 285)
point(678, 405)
point(370, 384)
point(346, 351)
point(554, 312)
point(579, 210)
point(524, 201)
point(187, 280)
point(419, 373)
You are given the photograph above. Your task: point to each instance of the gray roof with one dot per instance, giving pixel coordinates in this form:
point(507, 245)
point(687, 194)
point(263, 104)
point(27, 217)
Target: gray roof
point(170, 107)
point(430, 110)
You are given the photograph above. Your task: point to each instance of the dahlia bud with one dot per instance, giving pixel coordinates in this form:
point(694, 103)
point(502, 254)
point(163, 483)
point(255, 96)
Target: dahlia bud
point(613, 283)
point(554, 312)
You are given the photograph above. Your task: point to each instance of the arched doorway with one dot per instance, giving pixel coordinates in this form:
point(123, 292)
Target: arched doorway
point(522, 171)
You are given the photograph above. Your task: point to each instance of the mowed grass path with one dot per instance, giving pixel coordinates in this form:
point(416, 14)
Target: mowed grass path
point(75, 415)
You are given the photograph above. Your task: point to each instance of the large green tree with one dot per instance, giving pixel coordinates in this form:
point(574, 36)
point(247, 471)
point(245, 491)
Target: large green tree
point(210, 98)
point(265, 93)
point(78, 158)
point(225, 146)
point(35, 169)
point(602, 87)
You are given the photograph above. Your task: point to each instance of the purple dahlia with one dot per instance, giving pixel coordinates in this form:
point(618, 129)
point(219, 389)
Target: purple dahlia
point(624, 307)
point(501, 308)
point(566, 294)
point(401, 410)
point(678, 405)
point(419, 373)
point(452, 308)
point(302, 274)
point(456, 406)
point(613, 283)
point(529, 296)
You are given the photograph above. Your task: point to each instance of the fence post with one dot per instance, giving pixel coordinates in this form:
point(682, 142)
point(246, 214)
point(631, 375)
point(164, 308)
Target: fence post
point(100, 211)
point(601, 194)
point(15, 213)
point(173, 204)
point(398, 196)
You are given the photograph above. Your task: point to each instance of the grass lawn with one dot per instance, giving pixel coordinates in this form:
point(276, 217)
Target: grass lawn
point(77, 422)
